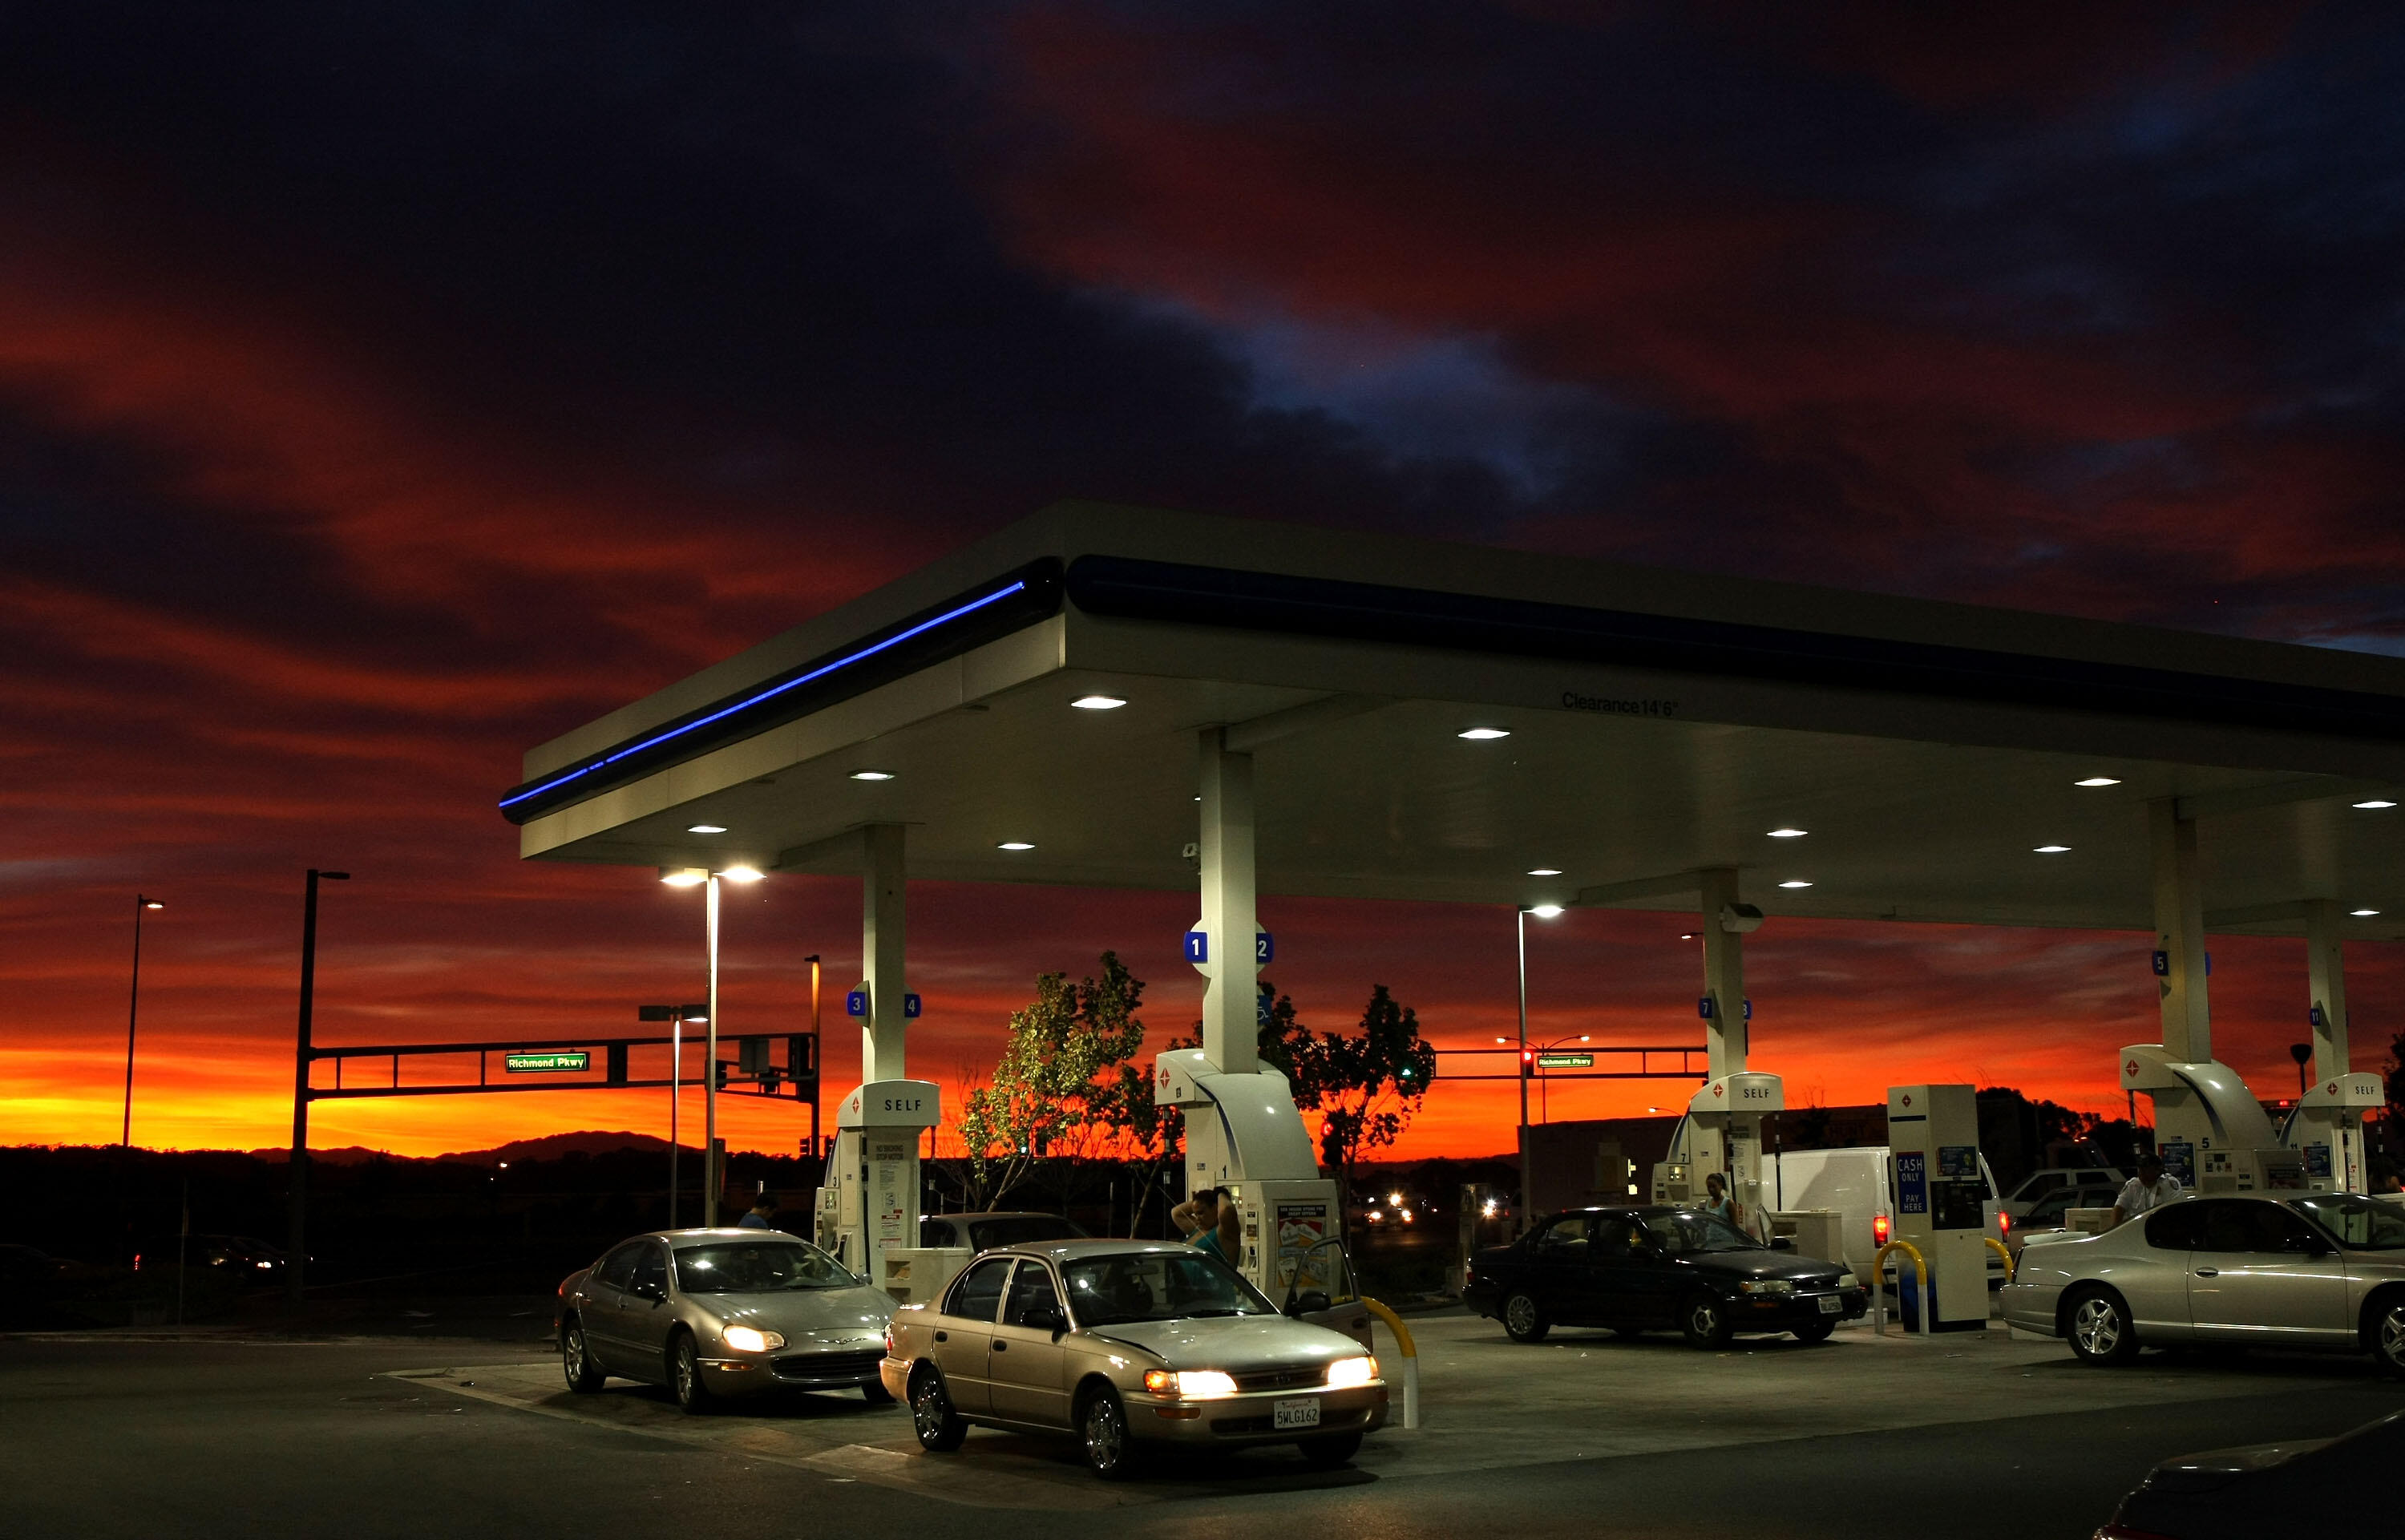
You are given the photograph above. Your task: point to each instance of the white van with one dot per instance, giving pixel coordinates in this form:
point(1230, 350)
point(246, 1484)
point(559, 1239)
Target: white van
point(1858, 1183)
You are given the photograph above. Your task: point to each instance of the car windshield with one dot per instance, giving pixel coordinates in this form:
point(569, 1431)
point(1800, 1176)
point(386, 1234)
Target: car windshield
point(2364, 1223)
point(1681, 1234)
point(758, 1266)
point(1159, 1286)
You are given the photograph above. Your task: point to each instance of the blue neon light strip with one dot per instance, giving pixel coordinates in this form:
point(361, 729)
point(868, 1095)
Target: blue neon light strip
point(824, 669)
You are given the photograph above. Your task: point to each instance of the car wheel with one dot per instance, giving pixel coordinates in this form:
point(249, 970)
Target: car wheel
point(576, 1361)
point(1525, 1318)
point(2388, 1333)
point(2100, 1329)
point(1102, 1427)
point(1331, 1450)
point(939, 1428)
point(1815, 1331)
point(684, 1376)
point(1705, 1321)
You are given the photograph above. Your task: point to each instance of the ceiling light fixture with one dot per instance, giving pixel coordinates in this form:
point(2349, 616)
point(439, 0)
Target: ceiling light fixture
point(1544, 871)
point(684, 876)
point(872, 775)
point(1795, 882)
point(2097, 781)
point(1098, 702)
point(1788, 833)
point(1481, 735)
point(704, 828)
point(2363, 914)
point(1544, 911)
point(1014, 844)
point(2049, 850)
point(2375, 803)
point(740, 874)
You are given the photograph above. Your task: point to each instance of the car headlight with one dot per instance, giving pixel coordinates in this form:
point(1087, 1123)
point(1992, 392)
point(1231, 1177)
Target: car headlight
point(1847, 1280)
point(1767, 1286)
point(1347, 1372)
point(745, 1339)
point(1189, 1384)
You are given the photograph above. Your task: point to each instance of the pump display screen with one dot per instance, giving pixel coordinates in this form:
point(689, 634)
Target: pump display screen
point(1956, 1206)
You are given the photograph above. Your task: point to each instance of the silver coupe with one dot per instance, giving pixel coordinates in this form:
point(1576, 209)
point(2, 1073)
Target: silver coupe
point(713, 1313)
point(2309, 1270)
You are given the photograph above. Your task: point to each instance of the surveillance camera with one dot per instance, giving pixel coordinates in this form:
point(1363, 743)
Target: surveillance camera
point(1193, 853)
point(1737, 919)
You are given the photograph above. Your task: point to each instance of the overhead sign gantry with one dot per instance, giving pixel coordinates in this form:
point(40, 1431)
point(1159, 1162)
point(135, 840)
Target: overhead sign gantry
point(1090, 694)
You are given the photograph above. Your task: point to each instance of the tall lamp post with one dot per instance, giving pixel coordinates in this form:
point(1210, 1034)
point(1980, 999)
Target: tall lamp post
point(298, 1261)
point(708, 880)
point(676, 1016)
point(1527, 1174)
point(132, 1009)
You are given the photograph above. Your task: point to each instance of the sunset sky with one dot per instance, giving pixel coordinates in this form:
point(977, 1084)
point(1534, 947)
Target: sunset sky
point(385, 388)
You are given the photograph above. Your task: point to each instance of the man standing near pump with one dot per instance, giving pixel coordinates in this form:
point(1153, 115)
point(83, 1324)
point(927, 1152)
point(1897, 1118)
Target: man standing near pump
point(2150, 1188)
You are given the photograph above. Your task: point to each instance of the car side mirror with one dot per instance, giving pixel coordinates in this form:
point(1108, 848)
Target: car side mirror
point(1780, 1243)
point(652, 1291)
point(2311, 1246)
point(1311, 1303)
point(1046, 1318)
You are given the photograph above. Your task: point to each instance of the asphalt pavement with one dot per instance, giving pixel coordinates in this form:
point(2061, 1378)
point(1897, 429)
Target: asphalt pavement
point(127, 1433)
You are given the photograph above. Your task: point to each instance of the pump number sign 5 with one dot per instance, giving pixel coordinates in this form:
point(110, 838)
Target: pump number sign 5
point(531, 1064)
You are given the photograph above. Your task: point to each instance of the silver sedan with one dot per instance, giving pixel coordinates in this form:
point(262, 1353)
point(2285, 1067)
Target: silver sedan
point(2321, 1270)
point(713, 1313)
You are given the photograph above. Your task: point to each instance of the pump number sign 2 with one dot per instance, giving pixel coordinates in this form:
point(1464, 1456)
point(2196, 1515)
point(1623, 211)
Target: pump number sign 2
point(529, 1063)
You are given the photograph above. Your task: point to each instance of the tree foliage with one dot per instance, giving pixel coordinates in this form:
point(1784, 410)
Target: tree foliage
point(1365, 1085)
point(1065, 1086)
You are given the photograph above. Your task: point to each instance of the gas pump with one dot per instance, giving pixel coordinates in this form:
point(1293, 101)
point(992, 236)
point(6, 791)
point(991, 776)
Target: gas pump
point(2325, 1130)
point(868, 1213)
point(1940, 1193)
point(1244, 1135)
point(1723, 1132)
point(2211, 1132)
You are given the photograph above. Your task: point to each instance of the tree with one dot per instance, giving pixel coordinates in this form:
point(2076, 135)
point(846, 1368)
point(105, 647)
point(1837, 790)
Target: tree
point(2393, 1082)
point(1364, 1086)
point(1059, 1088)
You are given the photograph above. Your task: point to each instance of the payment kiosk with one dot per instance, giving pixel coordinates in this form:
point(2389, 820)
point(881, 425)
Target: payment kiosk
point(1940, 1193)
point(868, 1208)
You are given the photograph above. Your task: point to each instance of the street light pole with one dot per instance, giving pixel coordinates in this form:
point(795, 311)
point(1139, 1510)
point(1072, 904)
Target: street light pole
point(710, 1174)
point(298, 1261)
point(676, 1095)
point(1527, 1176)
point(132, 1009)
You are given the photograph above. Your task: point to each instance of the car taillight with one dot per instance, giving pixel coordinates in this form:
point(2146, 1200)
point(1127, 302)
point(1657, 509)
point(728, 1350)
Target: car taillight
point(2004, 1223)
point(1880, 1228)
point(889, 1340)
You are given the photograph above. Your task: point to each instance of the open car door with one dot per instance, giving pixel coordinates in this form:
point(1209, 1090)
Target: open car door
point(1323, 1292)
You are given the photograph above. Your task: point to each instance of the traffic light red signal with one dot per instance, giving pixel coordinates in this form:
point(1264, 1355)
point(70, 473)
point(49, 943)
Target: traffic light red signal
point(1528, 1062)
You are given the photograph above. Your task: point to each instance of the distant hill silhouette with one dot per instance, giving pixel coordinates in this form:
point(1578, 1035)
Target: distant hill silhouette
point(586, 1141)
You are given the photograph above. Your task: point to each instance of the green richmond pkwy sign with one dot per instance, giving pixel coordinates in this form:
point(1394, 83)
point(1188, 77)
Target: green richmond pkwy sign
point(521, 1063)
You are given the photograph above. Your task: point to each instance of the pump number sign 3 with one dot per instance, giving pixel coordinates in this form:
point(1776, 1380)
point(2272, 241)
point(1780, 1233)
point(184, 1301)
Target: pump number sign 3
point(536, 1064)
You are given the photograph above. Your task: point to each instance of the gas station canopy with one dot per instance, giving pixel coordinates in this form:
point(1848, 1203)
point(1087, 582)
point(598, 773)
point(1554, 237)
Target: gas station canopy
point(1453, 723)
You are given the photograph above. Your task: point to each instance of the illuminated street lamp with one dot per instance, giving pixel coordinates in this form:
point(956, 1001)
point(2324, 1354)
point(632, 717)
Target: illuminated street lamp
point(1520, 921)
point(132, 1007)
point(708, 880)
point(676, 1015)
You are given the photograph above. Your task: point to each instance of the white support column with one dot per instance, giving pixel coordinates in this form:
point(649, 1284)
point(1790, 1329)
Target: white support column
point(2326, 981)
point(1725, 1029)
point(2179, 933)
point(880, 951)
point(1230, 1030)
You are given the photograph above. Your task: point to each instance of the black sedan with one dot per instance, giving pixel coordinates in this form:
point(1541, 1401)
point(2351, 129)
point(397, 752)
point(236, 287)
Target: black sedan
point(1640, 1269)
point(2268, 1489)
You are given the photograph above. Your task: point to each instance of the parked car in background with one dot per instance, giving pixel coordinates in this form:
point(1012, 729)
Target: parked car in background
point(2314, 1270)
point(1128, 1346)
point(2262, 1490)
point(2039, 1185)
point(1657, 1268)
point(984, 1231)
point(715, 1313)
point(2046, 1221)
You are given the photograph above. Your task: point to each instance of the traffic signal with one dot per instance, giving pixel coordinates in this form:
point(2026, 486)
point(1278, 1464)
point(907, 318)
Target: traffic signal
point(1528, 1062)
point(718, 1070)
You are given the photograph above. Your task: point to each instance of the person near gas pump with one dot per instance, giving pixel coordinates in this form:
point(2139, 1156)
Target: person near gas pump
point(1717, 1201)
point(763, 1215)
point(1211, 1225)
point(2148, 1189)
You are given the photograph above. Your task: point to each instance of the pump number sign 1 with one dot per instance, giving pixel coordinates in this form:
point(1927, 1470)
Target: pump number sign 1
point(531, 1064)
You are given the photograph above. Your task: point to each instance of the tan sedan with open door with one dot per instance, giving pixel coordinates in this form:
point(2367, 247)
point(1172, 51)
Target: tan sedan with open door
point(1128, 1346)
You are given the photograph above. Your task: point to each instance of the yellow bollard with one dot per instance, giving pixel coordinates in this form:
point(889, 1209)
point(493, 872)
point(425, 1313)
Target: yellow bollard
point(1878, 1267)
point(2001, 1249)
point(1410, 1358)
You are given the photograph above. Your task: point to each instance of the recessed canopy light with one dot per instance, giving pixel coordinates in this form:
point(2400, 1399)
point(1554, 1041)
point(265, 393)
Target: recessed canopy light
point(1014, 844)
point(1098, 702)
point(1686, 935)
point(1544, 871)
point(1544, 911)
point(1788, 833)
point(2376, 802)
point(2363, 914)
point(740, 874)
point(1795, 882)
point(872, 775)
point(704, 828)
point(2097, 781)
point(2049, 850)
point(1480, 735)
